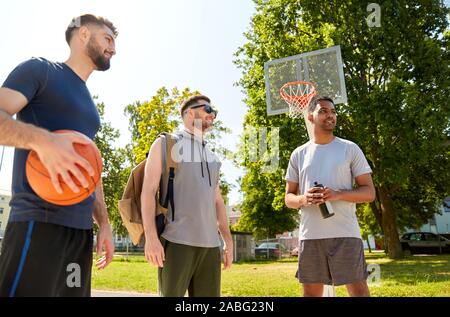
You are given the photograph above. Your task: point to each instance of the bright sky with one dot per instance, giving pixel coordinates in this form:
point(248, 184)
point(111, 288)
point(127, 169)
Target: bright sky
point(182, 43)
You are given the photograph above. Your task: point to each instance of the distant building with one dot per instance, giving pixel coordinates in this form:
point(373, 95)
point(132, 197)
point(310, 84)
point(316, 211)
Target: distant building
point(244, 245)
point(233, 215)
point(5, 197)
point(438, 223)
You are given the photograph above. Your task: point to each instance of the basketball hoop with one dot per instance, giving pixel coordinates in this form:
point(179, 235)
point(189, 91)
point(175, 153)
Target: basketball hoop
point(298, 95)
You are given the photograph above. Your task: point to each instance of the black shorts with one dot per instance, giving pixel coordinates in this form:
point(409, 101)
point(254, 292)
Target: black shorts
point(43, 259)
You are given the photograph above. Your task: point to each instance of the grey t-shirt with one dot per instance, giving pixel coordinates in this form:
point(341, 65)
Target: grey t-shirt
point(196, 178)
point(334, 165)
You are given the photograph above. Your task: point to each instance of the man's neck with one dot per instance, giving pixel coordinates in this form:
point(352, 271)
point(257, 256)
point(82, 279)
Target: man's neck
point(197, 132)
point(323, 138)
point(82, 66)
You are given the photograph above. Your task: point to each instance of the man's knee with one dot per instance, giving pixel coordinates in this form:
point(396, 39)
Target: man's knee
point(358, 289)
point(312, 290)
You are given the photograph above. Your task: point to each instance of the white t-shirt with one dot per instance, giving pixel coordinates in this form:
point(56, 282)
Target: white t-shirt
point(334, 165)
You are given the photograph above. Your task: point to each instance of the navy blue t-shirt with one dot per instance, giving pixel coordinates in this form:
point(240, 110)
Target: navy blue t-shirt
point(57, 99)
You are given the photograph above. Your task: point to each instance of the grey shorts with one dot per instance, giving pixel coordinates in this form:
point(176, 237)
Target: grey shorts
point(335, 261)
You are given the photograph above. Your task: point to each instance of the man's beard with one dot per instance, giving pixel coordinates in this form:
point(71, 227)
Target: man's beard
point(97, 57)
point(327, 127)
point(205, 125)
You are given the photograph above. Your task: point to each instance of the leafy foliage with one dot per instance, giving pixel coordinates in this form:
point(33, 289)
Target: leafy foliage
point(148, 119)
point(115, 172)
point(397, 79)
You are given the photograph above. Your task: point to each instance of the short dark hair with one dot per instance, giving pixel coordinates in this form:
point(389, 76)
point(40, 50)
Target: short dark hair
point(316, 100)
point(191, 101)
point(78, 22)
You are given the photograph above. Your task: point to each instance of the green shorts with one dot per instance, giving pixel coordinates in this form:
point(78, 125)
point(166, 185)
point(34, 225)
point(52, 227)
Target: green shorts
point(188, 268)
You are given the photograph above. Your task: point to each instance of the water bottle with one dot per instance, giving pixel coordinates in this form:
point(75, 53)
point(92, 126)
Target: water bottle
point(323, 206)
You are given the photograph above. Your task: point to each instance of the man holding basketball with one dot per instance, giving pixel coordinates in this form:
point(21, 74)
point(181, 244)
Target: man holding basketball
point(47, 249)
point(331, 249)
point(188, 252)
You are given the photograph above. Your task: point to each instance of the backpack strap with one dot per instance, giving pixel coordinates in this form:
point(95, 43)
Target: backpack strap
point(170, 168)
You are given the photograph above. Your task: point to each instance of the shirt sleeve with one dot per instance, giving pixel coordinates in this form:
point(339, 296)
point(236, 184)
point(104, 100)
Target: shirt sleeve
point(28, 78)
point(292, 170)
point(359, 164)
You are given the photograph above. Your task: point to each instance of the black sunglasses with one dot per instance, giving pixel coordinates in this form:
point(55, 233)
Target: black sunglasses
point(208, 109)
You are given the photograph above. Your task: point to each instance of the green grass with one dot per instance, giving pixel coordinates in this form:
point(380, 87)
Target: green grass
point(427, 275)
point(131, 274)
point(411, 276)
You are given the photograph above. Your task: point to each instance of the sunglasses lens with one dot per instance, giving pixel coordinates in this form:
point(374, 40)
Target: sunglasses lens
point(209, 110)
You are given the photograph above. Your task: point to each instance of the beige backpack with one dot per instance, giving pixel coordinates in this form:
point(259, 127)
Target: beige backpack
point(130, 204)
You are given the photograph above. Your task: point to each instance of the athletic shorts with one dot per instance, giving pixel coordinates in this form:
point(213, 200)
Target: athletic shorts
point(335, 261)
point(43, 259)
point(188, 268)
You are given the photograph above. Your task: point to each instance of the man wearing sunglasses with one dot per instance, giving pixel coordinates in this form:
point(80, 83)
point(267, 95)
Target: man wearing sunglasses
point(207, 108)
point(188, 253)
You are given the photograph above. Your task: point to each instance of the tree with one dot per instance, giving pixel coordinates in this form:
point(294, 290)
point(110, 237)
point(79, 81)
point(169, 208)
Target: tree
point(263, 210)
point(115, 172)
point(367, 223)
point(397, 79)
point(150, 118)
point(225, 188)
point(161, 114)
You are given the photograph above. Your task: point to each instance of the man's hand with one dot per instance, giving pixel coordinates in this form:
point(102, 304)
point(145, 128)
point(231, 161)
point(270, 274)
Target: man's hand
point(154, 252)
point(104, 242)
point(227, 256)
point(330, 194)
point(318, 195)
point(57, 154)
point(314, 196)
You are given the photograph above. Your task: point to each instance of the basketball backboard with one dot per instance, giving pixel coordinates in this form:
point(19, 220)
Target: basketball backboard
point(322, 67)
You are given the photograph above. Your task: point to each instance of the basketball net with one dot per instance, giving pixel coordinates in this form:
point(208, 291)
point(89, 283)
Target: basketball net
point(298, 95)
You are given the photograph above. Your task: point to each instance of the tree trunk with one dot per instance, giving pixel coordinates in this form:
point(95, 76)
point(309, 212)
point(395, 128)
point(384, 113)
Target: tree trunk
point(389, 224)
point(376, 210)
point(375, 206)
point(368, 244)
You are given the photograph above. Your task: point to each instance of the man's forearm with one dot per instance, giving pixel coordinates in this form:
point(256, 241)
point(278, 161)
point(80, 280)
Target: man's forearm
point(18, 134)
point(100, 212)
point(225, 232)
point(222, 221)
point(148, 203)
point(294, 201)
point(361, 194)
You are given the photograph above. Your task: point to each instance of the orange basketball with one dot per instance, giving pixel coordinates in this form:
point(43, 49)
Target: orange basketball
point(39, 178)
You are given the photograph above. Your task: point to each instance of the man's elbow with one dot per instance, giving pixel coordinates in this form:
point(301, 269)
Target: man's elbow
point(371, 195)
point(219, 200)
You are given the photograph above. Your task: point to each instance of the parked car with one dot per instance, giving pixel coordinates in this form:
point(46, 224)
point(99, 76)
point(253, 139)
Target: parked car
point(424, 242)
point(273, 250)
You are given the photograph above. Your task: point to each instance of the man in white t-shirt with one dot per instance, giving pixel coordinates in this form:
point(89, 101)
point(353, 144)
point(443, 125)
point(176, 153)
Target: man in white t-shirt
point(331, 250)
